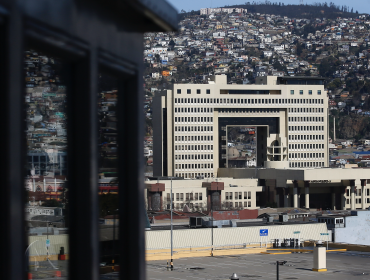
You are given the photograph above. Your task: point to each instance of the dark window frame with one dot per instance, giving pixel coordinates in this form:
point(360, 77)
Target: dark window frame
point(63, 37)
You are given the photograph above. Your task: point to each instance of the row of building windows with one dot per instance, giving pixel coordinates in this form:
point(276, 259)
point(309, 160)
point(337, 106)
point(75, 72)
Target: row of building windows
point(196, 156)
point(248, 101)
point(208, 91)
point(357, 192)
point(305, 119)
point(306, 137)
point(306, 164)
point(194, 175)
point(309, 92)
point(358, 201)
point(305, 110)
point(180, 206)
point(188, 196)
point(237, 195)
point(193, 147)
point(193, 119)
point(194, 166)
point(306, 146)
point(237, 205)
point(306, 155)
point(193, 128)
point(306, 128)
point(253, 110)
point(194, 138)
point(194, 110)
point(198, 91)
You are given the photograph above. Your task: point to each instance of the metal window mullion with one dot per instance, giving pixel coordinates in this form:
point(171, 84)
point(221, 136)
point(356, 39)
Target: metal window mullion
point(13, 148)
point(83, 169)
point(131, 179)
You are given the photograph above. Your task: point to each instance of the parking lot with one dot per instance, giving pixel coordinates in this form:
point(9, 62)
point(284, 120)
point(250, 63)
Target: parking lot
point(341, 265)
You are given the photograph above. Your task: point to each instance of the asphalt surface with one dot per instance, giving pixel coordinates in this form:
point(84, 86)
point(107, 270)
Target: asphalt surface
point(340, 265)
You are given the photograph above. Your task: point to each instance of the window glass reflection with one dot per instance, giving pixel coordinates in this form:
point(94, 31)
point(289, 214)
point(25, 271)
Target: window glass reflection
point(108, 174)
point(46, 182)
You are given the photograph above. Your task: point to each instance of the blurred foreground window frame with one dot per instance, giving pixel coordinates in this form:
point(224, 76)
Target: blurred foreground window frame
point(91, 37)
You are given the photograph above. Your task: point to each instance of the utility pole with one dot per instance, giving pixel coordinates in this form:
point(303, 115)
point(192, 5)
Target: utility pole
point(212, 225)
point(114, 236)
point(171, 229)
point(47, 237)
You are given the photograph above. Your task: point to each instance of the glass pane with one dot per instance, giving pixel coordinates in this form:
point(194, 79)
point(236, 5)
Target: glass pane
point(108, 176)
point(46, 181)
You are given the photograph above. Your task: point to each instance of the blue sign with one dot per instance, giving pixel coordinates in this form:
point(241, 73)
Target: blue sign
point(47, 242)
point(264, 232)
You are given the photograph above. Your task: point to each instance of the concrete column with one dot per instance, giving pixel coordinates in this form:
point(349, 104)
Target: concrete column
point(363, 185)
point(353, 205)
point(333, 200)
point(286, 197)
point(307, 194)
point(149, 199)
point(280, 186)
point(295, 198)
point(295, 194)
point(343, 191)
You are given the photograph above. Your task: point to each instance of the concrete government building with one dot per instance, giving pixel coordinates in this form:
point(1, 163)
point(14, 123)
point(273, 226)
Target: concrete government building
point(191, 123)
point(290, 118)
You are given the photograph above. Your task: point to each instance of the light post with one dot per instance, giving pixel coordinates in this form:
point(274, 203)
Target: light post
point(171, 229)
point(277, 268)
point(47, 238)
point(114, 236)
point(212, 225)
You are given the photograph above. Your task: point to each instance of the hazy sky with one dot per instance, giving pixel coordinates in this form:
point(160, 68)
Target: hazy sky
point(363, 6)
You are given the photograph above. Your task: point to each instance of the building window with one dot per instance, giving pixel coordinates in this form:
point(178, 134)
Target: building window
point(188, 91)
point(301, 92)
point(291, 91)
point(208, 91)
point(198, 91)
point(178, 91)
point(319, 92)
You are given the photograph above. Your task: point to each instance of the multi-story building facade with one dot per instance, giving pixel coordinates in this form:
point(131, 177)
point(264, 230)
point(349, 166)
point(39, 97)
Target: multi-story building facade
point(191, 123)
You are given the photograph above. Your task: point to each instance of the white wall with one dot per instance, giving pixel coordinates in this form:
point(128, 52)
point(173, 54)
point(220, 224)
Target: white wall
point(228, 236)
point(356, 230)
